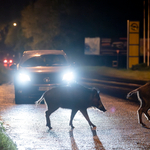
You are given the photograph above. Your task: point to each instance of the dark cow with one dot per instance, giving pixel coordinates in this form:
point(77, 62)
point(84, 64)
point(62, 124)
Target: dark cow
point(143, 95)
point(75, 97)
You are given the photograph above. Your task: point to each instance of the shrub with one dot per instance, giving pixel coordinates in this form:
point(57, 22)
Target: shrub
point(4, 74)
point(142, 66)
point(5, 142)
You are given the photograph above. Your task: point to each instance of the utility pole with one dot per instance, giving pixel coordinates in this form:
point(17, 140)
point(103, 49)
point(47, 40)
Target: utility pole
point(144, 60)
point(148, 38)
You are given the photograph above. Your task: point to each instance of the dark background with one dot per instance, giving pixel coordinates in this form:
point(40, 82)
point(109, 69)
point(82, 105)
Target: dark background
point(102, 18)
point(107, 18)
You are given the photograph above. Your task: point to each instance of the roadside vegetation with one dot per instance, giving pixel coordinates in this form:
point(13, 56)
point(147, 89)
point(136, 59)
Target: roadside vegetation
point(4, 74)
point(137, 72)
point(5, 142)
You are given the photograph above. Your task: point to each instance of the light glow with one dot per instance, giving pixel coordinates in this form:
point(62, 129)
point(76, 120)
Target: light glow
point(37, 55)
point(10, 61)
point(24, 77)
point(68, 76)
point(5, 61)
point(14, 24)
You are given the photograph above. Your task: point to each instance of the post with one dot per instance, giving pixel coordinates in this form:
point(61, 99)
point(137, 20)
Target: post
point(148, 37)
point(144, 60)
point(118, 56)
point(127, 44)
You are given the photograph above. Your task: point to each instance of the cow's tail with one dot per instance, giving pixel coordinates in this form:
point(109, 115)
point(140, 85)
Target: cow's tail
point(40, 100)
point(132, 92)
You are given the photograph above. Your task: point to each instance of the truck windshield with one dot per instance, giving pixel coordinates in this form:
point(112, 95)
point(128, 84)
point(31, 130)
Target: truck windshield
point(45, 60)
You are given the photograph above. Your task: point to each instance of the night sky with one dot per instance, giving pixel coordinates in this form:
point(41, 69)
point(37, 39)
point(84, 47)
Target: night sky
point(109, 17)
point(10, 9)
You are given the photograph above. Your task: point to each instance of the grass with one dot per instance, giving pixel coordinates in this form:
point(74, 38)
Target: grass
point(142, 74)
point(5, 142)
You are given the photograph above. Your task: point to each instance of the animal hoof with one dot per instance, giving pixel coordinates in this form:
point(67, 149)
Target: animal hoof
point(93, 126)
point(143, 125)
point(72, 127)
point(50, 128)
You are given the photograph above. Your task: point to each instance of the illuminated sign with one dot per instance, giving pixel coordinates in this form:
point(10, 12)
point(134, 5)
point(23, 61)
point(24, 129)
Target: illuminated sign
point(132, 43)
point(92, 46)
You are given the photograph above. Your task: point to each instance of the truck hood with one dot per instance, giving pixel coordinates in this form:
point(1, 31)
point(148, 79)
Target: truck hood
point(45, 69)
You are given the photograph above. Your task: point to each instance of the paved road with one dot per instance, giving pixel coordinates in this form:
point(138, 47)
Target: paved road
point(111, 86)
point(117, 129)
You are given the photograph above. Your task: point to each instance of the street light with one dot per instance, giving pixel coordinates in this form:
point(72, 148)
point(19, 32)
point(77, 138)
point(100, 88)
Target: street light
point(14, 24)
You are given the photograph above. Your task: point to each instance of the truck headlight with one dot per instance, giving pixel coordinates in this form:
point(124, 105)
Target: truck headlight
point(23, 77)
point(68, 76)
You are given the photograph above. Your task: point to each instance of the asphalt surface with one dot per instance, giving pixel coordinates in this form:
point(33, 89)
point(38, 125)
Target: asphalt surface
point(92, 75)
point(112, 86)
point(117, 128)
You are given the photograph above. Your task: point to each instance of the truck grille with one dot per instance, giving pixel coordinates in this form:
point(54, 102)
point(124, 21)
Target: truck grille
point(46, 78)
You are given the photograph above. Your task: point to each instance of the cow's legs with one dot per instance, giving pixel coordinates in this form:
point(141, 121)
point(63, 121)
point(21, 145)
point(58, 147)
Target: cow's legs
point(74, 111)
point(48, 113)
point(141, 109)
point(85, 114)
point(140, 112)
point(146, 113)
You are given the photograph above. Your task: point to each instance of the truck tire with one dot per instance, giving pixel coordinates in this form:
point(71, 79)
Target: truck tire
point(18, 98)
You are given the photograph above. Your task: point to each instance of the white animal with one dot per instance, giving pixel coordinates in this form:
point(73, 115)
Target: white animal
point(143, 95)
